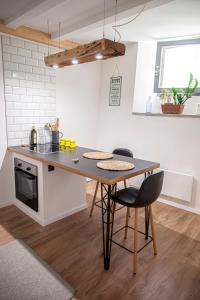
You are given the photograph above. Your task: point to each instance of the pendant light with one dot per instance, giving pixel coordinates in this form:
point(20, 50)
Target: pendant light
point(98, 50)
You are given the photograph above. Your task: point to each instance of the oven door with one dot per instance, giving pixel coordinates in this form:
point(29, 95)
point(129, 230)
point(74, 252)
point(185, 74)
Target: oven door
point(26, 188)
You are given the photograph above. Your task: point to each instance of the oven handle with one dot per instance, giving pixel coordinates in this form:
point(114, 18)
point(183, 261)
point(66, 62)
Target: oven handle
point(28, 176)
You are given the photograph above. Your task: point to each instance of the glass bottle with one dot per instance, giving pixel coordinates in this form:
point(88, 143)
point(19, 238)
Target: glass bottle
point(149, 105)
point(33, 137)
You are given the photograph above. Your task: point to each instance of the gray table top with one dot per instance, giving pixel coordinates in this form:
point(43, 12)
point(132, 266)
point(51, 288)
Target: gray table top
point(87, 167)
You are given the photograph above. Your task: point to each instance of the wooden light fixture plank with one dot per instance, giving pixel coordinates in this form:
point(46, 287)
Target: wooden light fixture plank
point(86, 53)
point(36, 36)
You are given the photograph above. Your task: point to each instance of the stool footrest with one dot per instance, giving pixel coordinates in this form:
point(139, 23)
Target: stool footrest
point(96, 204)
point(120, 245)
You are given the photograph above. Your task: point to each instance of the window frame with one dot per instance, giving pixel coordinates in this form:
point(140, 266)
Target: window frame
point(158, 65)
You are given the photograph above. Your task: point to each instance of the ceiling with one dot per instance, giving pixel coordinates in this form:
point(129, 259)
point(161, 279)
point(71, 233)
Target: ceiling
point(160, 18)
point(10, 8)
point(179, 18)
point(72, 14)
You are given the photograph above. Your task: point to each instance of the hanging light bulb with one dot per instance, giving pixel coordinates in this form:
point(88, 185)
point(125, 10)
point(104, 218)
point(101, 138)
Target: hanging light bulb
point(55, 66)
point(99, 56)
point(74, 61)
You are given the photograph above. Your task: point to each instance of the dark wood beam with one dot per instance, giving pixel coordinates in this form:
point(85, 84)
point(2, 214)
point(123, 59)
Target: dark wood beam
point(86, 53)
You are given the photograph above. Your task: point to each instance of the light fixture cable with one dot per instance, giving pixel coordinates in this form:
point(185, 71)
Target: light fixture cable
point(116, 3)
point(114, 27)
point(104, 17)
point(48, 34)
point(59, 33)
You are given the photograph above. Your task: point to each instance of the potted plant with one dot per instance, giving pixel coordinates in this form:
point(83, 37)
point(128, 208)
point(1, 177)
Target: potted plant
point(174, 99)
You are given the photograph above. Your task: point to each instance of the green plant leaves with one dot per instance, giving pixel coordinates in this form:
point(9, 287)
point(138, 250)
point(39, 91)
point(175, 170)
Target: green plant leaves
point(187, 92)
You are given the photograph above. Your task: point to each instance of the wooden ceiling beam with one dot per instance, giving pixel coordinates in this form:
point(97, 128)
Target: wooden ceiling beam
point(36, 36)
point(86, 53)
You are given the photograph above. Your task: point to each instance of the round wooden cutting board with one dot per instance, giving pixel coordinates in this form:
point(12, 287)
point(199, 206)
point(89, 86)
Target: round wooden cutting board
point(115, 165)
point(98, 155)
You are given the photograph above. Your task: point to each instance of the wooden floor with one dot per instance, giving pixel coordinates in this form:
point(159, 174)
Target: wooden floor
point(73, 247)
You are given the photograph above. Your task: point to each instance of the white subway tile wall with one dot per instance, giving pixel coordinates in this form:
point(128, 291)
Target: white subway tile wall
point(30, 89)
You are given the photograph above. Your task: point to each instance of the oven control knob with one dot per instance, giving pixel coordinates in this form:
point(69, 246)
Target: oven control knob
point(28, 169)
point(19, 165)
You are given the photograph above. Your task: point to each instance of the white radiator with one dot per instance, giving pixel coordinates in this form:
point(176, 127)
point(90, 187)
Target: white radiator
point(176, 185)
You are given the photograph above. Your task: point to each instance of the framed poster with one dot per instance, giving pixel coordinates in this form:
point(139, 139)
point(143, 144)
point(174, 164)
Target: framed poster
point(115, 91)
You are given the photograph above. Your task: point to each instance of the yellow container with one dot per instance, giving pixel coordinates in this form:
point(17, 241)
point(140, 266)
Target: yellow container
point(73, 144)
point(62, 147)
point(67, 143)
point(62, 141)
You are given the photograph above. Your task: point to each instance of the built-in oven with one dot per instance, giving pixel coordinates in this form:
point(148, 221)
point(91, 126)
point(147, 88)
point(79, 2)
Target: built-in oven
point(26, 183)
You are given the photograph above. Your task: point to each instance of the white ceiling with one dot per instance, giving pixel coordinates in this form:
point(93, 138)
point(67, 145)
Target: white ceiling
point(71, 13)
point(75, 14)
point(81, 20)
point(179, 18)
point(11, 8)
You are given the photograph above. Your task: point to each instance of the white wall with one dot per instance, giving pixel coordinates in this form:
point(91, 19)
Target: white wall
point(77, 93)
point(27, 94)
point(174, 142)
point(3, 137)
point(144, 77)
point(30, 88)
point(5, 165)
point(83, 107)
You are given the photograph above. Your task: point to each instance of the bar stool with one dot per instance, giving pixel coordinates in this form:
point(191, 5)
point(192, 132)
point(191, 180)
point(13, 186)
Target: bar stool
point(118, 151)
point(137, 198)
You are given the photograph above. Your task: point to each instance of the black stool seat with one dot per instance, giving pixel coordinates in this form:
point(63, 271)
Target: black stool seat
point(126, 197)
point(145, 196)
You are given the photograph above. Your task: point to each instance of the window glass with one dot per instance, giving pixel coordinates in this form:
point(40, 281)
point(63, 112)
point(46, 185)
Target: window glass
point(174, 62)
point(177, 63)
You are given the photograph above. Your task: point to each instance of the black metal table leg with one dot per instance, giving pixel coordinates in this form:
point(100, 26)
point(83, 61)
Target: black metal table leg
point(147, 213)
point(107, 222)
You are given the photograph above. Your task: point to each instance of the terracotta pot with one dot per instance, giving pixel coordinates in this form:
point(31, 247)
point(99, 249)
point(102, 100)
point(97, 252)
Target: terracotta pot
point(170, 108)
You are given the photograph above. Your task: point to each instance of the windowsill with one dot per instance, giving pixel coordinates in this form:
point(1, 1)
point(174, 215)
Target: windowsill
point(165, 115)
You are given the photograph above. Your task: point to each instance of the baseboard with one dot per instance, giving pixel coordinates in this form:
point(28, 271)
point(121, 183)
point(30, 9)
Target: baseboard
point(65, 214)
point(46, 222)
point(181, 206)
point(4, 204)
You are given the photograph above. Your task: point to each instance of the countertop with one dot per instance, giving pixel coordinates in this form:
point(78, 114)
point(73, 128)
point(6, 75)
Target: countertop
point(87, 167)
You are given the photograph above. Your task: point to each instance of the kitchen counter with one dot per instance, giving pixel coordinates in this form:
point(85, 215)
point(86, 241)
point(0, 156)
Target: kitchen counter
point(61, 192)
point(87, 167)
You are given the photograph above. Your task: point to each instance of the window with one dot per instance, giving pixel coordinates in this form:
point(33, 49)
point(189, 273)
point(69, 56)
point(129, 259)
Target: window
point(175, 61)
